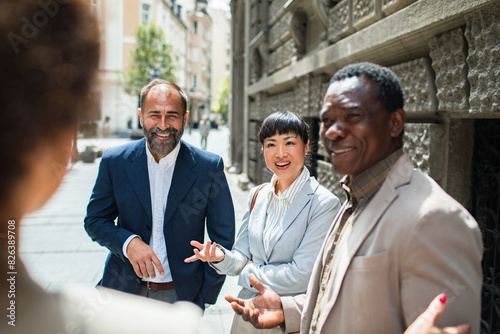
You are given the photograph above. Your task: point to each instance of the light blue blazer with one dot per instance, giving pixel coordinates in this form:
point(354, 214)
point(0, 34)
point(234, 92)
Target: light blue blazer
point(293, 250)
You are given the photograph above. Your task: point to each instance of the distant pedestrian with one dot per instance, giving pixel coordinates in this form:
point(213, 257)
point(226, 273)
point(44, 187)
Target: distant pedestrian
point(105, 127)
point(204, 128)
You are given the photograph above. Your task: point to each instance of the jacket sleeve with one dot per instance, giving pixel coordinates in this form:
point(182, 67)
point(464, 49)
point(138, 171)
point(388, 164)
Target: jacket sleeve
point(429, 267)
point(237, 258)
point(292, 309)
point(292, 277)
point(102, 212)
point(220, 228)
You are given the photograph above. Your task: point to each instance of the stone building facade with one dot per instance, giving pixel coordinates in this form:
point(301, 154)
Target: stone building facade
point(447, 55)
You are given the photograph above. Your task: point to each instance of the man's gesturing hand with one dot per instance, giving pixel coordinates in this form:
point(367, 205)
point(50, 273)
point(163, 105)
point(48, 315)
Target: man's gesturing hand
point(142, 258)
point(264, 310)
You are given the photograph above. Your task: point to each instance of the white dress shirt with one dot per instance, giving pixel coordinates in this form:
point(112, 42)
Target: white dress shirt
point(160, 179)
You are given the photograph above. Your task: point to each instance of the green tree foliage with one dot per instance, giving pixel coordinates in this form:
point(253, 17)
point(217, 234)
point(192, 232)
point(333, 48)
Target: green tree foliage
point(151, 57)
point(223, 94)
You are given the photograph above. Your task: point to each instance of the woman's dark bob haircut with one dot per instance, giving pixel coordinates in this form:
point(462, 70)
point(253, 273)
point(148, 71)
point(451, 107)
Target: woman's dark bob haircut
point(283, 122)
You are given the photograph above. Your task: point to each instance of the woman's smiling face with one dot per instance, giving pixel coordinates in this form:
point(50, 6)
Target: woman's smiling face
point(285, 155)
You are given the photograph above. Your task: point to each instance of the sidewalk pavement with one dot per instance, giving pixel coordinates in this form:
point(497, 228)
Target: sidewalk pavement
point(57, 250)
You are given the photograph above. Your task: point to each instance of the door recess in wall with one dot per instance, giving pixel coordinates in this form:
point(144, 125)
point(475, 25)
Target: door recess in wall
point(486, 210)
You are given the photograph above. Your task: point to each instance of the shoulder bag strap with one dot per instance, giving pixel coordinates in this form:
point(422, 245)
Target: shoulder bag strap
point(254, 198)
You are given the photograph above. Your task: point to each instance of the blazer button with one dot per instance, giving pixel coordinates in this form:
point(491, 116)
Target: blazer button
point(148, 227)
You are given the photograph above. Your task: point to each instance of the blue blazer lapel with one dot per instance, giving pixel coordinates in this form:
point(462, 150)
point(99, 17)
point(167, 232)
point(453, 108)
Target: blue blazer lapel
point(138, 175)
point(182, 180)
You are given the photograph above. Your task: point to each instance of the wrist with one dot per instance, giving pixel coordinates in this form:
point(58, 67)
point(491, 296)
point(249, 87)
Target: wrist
point(223, 250)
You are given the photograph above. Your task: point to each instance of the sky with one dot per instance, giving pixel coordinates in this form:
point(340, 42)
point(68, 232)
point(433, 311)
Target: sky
point(219, 4)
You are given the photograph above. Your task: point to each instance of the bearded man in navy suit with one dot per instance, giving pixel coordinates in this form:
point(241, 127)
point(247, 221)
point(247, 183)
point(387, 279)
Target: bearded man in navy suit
point(161, 191)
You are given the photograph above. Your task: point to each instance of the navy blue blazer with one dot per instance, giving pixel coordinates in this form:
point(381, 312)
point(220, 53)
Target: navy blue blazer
point(199, 191)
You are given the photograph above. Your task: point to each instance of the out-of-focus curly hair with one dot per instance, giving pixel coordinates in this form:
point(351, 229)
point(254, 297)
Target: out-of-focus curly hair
point(48, 59)
point(390, 92)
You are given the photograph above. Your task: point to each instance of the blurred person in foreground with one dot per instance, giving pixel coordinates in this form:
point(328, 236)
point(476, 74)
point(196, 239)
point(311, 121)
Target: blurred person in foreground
point(48, 59)
point(399, 239)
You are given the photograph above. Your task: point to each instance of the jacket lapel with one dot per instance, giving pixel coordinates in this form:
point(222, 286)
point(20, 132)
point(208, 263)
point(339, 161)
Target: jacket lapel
point(257, 219)
point(138, 175)
point(302, 198)
point(182, 180)
point(399, 175)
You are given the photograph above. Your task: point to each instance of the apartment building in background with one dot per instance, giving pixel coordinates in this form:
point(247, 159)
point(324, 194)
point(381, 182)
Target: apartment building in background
point(199, 59)
point(187, 28)
point(221, 50)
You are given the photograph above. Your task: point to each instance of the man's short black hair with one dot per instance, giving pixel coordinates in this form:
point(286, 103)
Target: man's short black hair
point(390, 92)
point(283, 122)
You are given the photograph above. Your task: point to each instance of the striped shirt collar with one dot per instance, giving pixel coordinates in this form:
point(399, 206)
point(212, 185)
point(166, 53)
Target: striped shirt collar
point(291, 192)
point(364, 186)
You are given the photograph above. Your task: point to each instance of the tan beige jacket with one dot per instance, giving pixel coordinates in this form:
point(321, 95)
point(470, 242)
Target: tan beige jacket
point(411, 242)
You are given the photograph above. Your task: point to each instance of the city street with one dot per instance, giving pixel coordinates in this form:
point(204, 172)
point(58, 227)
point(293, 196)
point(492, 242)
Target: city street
point(57, 250)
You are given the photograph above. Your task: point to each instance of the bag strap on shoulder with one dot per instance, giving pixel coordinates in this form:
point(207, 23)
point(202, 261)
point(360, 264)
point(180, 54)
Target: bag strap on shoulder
point(254, 198)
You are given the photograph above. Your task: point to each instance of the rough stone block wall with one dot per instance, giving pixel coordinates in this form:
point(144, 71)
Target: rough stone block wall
point(266, 174)
point(365, 12)
point(391, 6)
point(270, 104)
point(252, 170)
point(253, 110)
point(421, 149)
point(483, 35)
point(319, 86)
point(253, 129)
point(276, 8)
point(417, 80)
point(281, 57)
point(448, 54)
point(254, 20)
point(287, 102)
point(443, 70)
point(253, 149)
point(301, 93)
point(278, 102)
point(340, 21)
point(329, 179)
point(280, 31)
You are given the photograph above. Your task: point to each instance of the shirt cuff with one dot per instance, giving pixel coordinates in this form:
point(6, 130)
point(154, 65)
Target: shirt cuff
point(125, 244)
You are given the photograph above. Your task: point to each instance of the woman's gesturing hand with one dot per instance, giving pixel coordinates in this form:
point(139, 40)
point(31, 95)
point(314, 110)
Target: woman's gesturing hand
point(208, 252)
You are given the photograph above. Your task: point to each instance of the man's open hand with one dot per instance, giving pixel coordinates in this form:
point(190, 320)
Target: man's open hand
point(262, 311)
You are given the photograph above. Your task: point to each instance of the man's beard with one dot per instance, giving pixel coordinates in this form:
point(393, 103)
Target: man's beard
point(163, 147)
